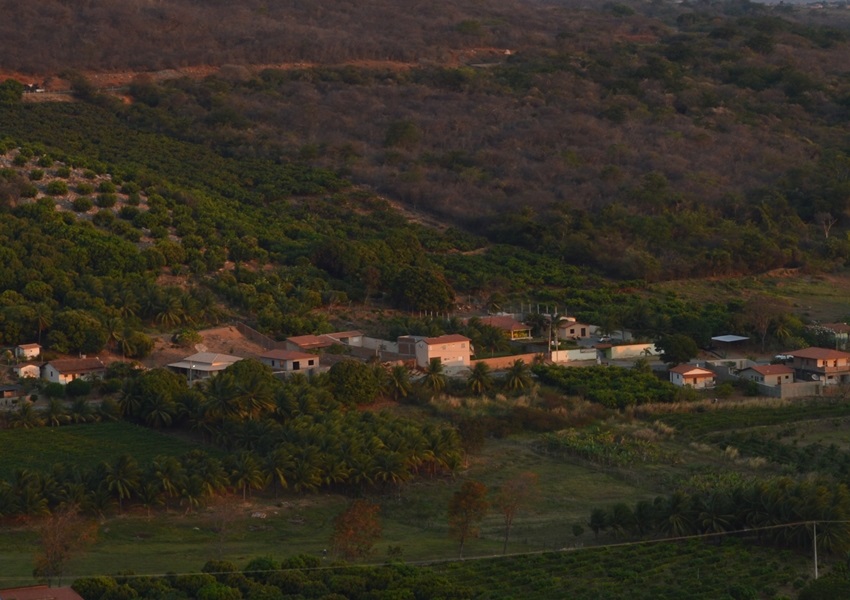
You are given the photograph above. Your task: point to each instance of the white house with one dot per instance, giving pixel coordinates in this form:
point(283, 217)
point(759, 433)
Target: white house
point(289, 360)
point(27, 351)
point(66, 370)
point(203, 365)
point(27, 369)
point(692, 375)
point(451, 350)
point(768, 374)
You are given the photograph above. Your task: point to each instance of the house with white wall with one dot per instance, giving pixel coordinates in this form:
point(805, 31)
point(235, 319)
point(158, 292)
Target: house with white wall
point(289, 360)
point(691, 375)
point(66, 370)
point(451, 350)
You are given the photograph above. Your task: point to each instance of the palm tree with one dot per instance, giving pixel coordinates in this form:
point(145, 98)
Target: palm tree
point(397, 382)
point(221, 403)
point(245, 473)
point(114, 327)
point(169, 310)
point(518, 376)
point(55, 413)
point(81, 411)
point(279, 465)
point(158, 411)
point(26, 417)
point(168, 474)
point(435, 377)
point(43, 318)
point(480, 379)
point(122, 478)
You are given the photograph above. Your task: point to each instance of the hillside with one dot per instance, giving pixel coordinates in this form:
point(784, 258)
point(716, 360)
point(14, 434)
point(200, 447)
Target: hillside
point(647, 142)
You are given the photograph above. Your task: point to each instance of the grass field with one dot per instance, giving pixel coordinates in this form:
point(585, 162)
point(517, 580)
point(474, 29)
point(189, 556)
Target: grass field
point(820, 297)
point(414, 519)
point(85, 446)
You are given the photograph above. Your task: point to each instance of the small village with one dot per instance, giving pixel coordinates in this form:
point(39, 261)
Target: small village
point(792, 374)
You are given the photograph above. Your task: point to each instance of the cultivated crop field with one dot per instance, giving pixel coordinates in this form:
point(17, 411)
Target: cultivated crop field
point(84, 446)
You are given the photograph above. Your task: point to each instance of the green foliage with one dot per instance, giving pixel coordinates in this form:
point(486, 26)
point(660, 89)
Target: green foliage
point(11, 92)
point(602, 446)
point(56, 188)
point(677, 348)
point(353, 382)
point(613, 387)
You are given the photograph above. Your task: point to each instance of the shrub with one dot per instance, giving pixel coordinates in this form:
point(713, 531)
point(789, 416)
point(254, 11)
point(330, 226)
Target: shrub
point(106, 200)
point(45, 161)
point(103, 218)
point(57, 188)
point(63, 172)
point(54, 390)
point(36, 175)
point(20, 160)
point(78, 387)
point(85, 188)
point(82, 204)
point(106, 187)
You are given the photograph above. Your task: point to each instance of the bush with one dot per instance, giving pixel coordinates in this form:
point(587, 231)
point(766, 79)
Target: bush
point(82, 204)
point(57, 188)
point(106, 200)
point(103, 218)
point(78, 387)
point(36, 175)
point(45, 161)
point(106, 187)
point(63, 172)
point(54, 390)
point(85, 188)
point(20, 160)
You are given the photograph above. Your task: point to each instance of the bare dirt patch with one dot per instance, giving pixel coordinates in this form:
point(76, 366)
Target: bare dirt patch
point(222, 340)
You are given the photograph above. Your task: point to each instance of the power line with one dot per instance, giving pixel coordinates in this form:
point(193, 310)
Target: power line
point(439, 561)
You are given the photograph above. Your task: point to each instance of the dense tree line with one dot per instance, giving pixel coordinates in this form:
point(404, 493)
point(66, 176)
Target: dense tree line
point(265, 578)
point(294, 434)
point(778, 511)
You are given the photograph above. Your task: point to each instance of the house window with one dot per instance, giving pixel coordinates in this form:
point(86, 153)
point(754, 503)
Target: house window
point(310, 363)
point(296, 365)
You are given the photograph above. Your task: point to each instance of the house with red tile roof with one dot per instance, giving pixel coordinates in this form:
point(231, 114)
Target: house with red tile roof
point(452, 350)
point(768, 374)
point(827, 366)
point(692, 375)
point(513, 329)
point(66, 370)
point(307, 343)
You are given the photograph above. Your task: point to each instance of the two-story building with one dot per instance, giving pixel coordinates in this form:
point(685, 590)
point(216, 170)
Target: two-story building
point(451, 350)
point(827, 366)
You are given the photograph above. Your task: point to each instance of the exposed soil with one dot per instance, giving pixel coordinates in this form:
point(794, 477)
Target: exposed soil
point(222, 340)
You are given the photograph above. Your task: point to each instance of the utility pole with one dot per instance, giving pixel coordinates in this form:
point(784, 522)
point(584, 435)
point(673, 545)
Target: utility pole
point(815, 545)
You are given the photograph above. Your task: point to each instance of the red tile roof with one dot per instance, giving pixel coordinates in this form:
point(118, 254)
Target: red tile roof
point(39, 592)
point(504, 322)
point(67, 366)
point(691, 370)
point(771, 370)
point(446, 339)
point(287, 355)
point(818, 353)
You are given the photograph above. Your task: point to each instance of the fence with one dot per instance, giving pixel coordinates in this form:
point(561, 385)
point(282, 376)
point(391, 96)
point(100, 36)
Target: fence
point(259, 338)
